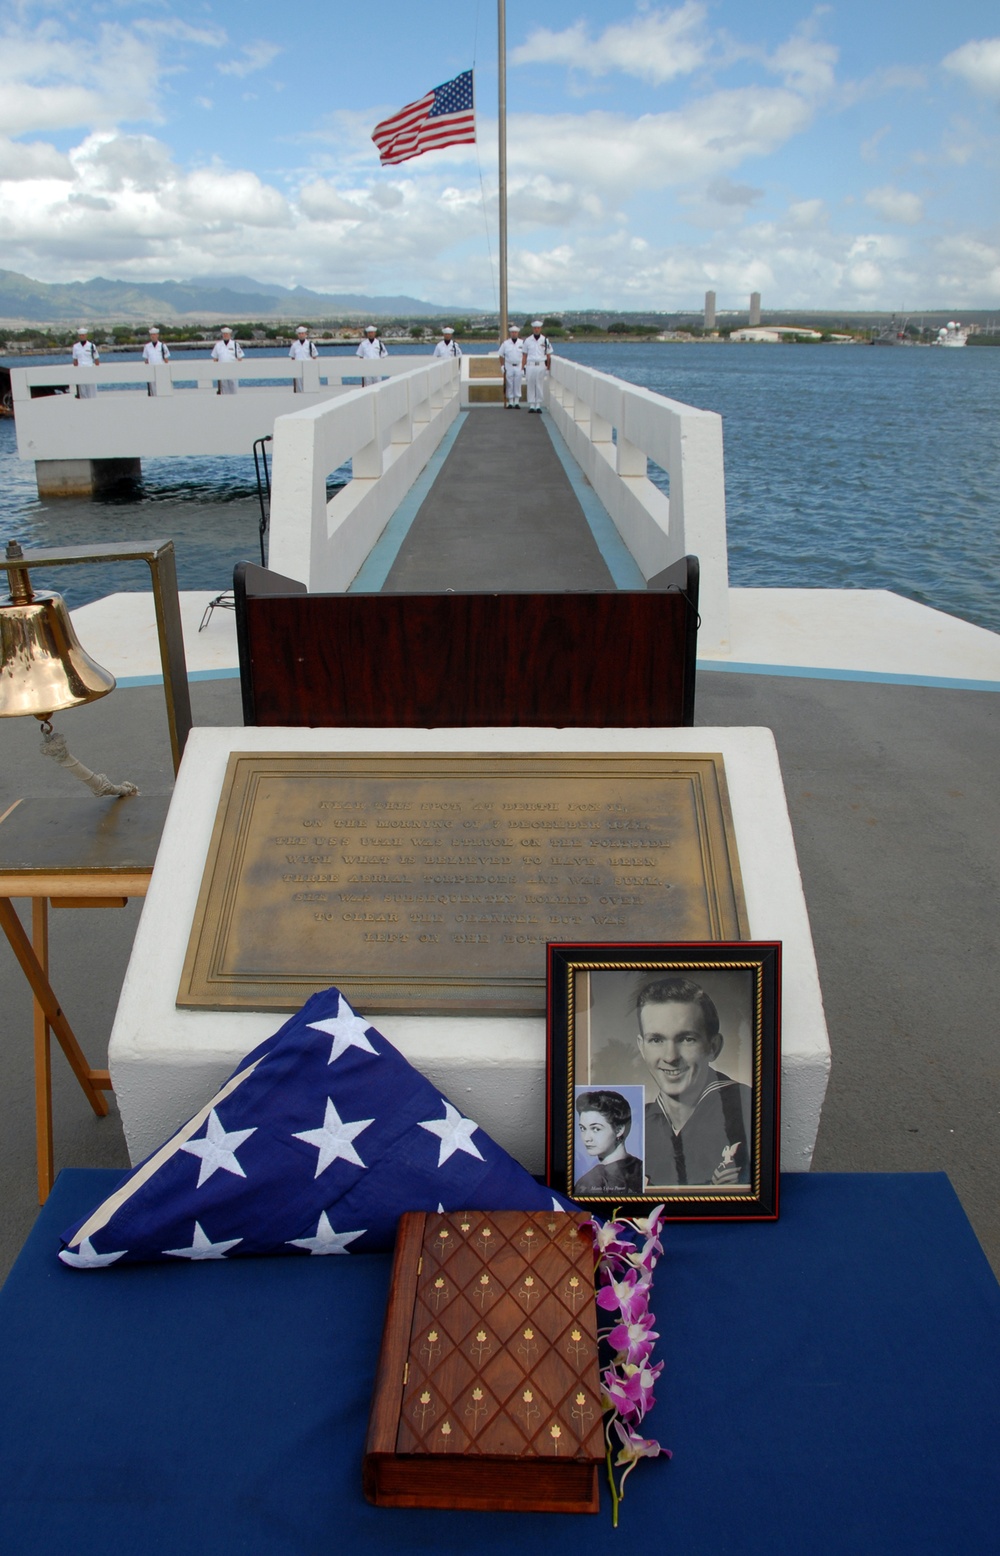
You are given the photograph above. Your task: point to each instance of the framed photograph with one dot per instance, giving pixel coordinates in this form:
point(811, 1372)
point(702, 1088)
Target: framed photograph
point(663, 1077)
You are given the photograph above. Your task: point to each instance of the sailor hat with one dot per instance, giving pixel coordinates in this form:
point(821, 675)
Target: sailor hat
point(371, 329)
point(302, 330)
point(447, 330)
point(536, 324)
point(154, 329)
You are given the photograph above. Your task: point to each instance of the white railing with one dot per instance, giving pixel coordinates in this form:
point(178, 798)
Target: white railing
point(613, 429)
point(149, 412)
point(389, 432)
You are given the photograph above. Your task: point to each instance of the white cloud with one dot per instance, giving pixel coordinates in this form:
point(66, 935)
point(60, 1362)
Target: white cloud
point(896, 205)
point(965, 267)
point(51, 82)
point(725, 192)
point(977, 63)
point(619, 155)
point(656, 45)
point(113, 162)
point(254, 56)
point(807, 213)
point(36, 160)
point(320, 201)
point(869, 147)
point(181, 32)
point(806, 64)
point(231, 198)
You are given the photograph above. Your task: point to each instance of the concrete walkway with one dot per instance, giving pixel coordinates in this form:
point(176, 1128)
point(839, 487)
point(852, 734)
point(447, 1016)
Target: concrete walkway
point(504, 485)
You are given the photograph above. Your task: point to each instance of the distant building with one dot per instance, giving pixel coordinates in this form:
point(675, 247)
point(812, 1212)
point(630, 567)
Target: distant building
point(710, 310)
point(772, 334)
point(754, 319)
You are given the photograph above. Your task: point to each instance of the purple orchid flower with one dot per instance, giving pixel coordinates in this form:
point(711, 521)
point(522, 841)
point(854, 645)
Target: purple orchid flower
point(635, 1338)
point(625, 1264)
point(636, 1447)
point(628, 1296)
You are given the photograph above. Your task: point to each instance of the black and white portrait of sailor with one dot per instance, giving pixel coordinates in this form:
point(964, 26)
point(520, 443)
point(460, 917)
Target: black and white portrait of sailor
point(697, 1117)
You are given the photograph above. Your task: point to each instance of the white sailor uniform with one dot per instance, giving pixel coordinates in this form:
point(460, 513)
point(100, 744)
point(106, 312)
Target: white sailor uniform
point(154, 354)
point(227, 351)
point(302, 351)
point(85, 354)
point(369, 349)
point(447, 348)
point(537, 353)
point(511, 354)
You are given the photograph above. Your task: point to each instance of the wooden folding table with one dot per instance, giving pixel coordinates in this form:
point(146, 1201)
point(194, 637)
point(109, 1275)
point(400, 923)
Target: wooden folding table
point(69, 853)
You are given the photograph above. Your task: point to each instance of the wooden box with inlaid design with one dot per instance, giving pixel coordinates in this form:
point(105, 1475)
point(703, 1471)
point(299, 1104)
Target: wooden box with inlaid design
point(487, 1388)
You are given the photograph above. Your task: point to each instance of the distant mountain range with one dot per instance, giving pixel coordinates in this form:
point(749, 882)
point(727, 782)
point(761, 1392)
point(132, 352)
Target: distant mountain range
point(208, 298)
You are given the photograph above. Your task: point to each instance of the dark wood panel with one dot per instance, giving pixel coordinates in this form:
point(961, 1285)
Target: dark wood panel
point(587, 660)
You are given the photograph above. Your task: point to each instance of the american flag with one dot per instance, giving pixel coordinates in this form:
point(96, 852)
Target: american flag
point(444, 117)
point(317, 1142)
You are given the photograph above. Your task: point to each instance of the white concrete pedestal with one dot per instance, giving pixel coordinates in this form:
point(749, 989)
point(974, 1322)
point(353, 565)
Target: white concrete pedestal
point(166, 1062)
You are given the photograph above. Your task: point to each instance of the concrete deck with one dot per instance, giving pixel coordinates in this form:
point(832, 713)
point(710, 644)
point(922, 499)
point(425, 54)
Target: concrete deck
point(894, 807)
point(829, 634)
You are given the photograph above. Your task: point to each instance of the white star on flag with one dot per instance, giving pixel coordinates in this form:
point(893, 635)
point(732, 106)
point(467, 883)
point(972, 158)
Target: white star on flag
point(333, 1140)
point(326, 1239)
point(202, 1247)
point(88, 1258)
point(454, 1132)
point(347, 1031)
point(218, 1149)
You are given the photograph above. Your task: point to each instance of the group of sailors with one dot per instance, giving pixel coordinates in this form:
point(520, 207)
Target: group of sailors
point(529, 359)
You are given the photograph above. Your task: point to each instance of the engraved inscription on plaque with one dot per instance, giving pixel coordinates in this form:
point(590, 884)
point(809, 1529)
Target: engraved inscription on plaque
point(433, 883)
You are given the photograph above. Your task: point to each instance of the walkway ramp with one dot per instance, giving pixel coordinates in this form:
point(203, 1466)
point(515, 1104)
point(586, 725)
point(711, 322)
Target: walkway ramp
point(501, 515)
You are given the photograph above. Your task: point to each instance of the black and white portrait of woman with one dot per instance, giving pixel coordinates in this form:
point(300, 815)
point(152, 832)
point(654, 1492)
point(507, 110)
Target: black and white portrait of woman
point(608, 1149)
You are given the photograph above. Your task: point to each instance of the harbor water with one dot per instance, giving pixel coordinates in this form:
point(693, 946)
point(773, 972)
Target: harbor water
point(846, 467)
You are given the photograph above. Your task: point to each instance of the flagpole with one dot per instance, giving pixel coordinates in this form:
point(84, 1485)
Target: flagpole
point(502, 76)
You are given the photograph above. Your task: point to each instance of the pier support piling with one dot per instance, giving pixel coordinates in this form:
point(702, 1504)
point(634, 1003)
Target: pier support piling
point(85, 477)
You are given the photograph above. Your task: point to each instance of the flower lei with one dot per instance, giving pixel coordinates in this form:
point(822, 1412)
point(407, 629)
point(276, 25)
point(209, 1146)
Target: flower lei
point(625, 1269)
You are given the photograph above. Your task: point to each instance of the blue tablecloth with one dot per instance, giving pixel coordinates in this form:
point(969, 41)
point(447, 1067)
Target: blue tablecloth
point(831, 1388)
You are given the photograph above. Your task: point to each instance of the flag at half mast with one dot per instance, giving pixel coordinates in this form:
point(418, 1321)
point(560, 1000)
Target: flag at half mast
point(445, 116)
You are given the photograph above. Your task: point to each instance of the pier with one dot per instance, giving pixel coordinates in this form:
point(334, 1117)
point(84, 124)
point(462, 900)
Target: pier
point(883, 714)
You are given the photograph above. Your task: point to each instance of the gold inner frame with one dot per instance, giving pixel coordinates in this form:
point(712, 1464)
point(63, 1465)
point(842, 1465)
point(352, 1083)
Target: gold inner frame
point(678, 965)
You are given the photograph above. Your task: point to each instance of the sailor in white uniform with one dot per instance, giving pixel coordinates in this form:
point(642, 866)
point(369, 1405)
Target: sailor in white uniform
point(302, 350)
point(537, 361)
point(226, 349)
point(85, 354)
point(511, 355)
point(154, 354)
point(448, 347)
point(371, 346)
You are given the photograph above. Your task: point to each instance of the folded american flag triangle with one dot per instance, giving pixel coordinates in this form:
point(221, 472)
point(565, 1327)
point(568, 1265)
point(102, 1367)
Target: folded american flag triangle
point(316, 1143)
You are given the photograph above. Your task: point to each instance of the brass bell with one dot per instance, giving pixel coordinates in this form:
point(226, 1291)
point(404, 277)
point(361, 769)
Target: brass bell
point(42, 666)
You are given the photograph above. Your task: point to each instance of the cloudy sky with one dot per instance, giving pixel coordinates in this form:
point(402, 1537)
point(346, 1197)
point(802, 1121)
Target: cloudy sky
point(843, 154)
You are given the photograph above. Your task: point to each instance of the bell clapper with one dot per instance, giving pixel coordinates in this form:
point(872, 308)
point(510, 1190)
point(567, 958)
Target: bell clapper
point(54, 745)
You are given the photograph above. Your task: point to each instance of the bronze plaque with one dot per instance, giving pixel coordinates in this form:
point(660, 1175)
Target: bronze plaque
point(432, 883)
